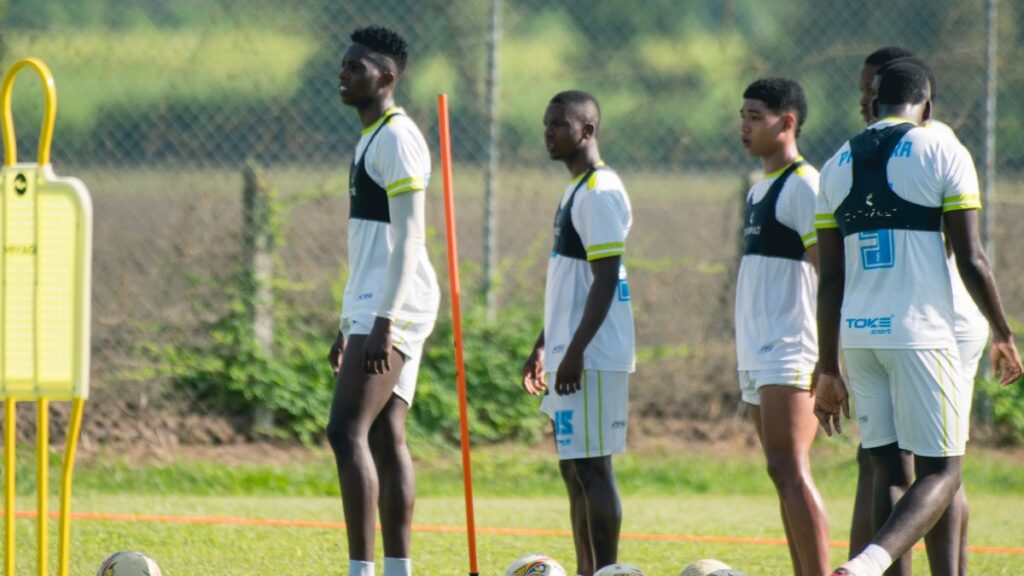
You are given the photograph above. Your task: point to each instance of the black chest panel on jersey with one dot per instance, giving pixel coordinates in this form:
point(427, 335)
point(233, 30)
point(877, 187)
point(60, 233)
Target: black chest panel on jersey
point(872, 204)
point(567, 239)
point(367, 200)
point(763, 234)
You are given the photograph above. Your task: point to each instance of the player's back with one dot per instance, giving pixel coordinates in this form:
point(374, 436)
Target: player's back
point(886, 190)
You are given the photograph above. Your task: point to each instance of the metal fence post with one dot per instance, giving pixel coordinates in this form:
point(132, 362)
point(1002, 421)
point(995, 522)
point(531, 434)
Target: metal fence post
point(991, 78)
point(491, 177)
point(258, 245)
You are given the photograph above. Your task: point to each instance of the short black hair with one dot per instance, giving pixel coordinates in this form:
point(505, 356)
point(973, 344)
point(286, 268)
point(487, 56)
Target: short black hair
point(883, 56)
point(780, 94)
point(578, 98)
point(916, 62)
point(903, 83)
point(384, 41)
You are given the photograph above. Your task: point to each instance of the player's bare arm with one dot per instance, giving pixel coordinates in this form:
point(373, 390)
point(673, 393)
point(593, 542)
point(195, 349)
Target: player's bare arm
point(976, 272)
point(830, 394)
point(599, 300)
point(533, 370)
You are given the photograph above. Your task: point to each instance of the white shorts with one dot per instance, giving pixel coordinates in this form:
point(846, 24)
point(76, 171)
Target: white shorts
point(408, 338)
point(751, 381)
point(591, 422)
point(915, 398)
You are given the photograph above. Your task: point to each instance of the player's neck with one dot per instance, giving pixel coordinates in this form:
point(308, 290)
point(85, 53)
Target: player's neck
point(583, 161)
point(783, 156)
point(374, 110)
point(915, 113)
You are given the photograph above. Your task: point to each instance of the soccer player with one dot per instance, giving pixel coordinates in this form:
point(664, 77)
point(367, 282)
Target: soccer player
point(587, 344)
point(389, 307)
point(884, 288)
point(776, 338)
point(949, 536)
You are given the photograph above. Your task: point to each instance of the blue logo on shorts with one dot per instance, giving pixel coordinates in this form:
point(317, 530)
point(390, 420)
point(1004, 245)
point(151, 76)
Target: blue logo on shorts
point(623, 291)
point(563, 422)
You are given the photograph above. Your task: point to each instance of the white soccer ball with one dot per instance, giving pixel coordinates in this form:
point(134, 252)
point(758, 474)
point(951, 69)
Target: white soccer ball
point(129, 564)
point(620, 569)
point(535, 565)
point(705, 567)
point(727, 572)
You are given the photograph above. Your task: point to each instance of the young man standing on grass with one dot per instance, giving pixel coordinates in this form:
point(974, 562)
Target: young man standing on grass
point(884, 288)
point(587, 344)
point(390, 304)
point(947, 541)
point(776, 339)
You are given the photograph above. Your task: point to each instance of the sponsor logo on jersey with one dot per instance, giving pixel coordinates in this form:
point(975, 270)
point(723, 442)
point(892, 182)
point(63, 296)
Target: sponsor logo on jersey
point(623, 291)
point(766, 349)
point(563, 423)
point(618, 424)
point(364, 296)
point(879, 325)
point(558, 349)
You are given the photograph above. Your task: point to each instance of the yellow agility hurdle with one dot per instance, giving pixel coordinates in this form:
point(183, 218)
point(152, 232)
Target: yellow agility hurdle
point(45, 267)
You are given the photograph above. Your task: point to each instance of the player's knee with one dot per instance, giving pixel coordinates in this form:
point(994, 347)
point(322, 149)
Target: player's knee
point(342, 436)
point(784, 470)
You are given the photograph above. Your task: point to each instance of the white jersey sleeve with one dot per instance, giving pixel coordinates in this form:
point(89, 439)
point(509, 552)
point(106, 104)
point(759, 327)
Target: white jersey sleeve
point(603, 217)
point(797, 204)
point(401, 163)
point(961, 190)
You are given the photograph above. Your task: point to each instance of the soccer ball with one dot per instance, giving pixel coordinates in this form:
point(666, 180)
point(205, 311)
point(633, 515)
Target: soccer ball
point(534, 565)
point(727, 572)
point(129, 564)
point(619, 570)
point(705, 567)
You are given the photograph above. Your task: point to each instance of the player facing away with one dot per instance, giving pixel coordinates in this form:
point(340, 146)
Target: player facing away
point(776, 338)
point(947, 541)
point(587, 345)
point(884, 290)
point(389, 306)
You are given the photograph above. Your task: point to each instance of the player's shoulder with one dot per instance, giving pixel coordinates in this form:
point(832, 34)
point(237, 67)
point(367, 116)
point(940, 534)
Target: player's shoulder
point(605, 179)
point(841, 157)
point(401, 128)
point(806, 176)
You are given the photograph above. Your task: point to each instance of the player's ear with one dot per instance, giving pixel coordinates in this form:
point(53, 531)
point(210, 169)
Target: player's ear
point(387, 78)
point(589, 130)
point(927, 111)
point(789, 121)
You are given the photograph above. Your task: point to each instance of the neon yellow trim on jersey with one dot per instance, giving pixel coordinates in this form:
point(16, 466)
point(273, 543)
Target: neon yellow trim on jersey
point(586, 414)
point(898, 120)
point(405, 190)
point(404, 181)
point(606, 246)
point(965, 206)
point(600, 415)
point(374, 126)
point(963, 198)
point(825, 222)
point(605, 254)
point(810, 239)
point(579, 177)
point(783, 169)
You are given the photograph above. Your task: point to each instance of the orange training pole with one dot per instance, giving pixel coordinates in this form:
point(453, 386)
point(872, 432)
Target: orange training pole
point(460, 365)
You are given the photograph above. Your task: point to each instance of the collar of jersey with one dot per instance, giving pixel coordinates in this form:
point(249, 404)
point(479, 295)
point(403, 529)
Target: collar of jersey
point(577, 179)
point(374, 126)
point(890, 120)
point(779, 172)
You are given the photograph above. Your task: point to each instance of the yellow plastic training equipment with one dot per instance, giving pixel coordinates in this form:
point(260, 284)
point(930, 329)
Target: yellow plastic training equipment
point(45, 281)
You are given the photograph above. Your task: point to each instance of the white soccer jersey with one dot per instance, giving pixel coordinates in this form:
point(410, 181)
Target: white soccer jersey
point(898, 293)
point(602, 216)
point(776, 297)
point(397, 160)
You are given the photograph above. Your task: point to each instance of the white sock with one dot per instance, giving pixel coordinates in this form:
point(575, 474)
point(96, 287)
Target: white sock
point(360, 568)
point(397, 567)
point(873, 561)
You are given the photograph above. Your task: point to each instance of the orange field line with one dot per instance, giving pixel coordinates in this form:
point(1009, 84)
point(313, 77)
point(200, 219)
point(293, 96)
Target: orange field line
point(235, 521)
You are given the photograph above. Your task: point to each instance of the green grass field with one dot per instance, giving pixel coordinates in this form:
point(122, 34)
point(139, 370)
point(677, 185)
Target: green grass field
point(678, 506)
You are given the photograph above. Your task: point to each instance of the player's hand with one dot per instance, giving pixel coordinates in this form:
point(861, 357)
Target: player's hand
point(337, 349)
point(830, 399)
point(570, 372)
point(377, 349)
point(533, 373)
point(1005, 361)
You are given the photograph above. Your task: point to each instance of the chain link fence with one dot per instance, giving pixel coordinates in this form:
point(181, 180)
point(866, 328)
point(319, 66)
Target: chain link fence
point(164, 102)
